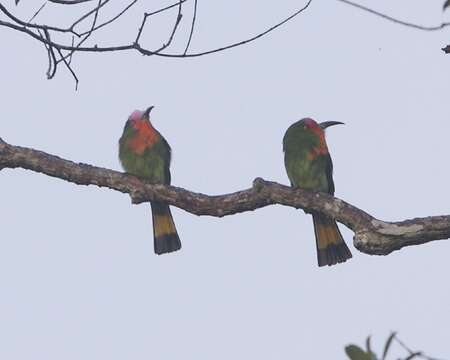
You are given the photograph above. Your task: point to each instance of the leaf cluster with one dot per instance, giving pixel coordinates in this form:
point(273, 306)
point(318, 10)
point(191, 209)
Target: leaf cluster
point(354, 352)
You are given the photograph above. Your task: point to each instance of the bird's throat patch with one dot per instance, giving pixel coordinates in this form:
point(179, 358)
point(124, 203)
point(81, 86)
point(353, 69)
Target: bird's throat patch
point(321, 148)
point(146, 136)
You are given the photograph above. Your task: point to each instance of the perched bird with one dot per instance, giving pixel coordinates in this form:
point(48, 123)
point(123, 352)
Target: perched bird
point(144, 152)
point(309, 166)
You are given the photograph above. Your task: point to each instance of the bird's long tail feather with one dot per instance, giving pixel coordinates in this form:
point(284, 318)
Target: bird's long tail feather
point(331, 248)
point(165, 234)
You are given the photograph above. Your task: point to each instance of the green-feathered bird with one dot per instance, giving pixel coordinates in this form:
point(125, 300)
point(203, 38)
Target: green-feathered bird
point(309, 166)
point(145, 153)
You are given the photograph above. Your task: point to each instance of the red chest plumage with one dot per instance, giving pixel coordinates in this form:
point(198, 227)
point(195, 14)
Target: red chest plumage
point(321, 148)
point(145, 137)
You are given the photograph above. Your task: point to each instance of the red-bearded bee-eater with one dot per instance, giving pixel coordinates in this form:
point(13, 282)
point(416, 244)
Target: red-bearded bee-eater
point(144, 153)
point(309, 166)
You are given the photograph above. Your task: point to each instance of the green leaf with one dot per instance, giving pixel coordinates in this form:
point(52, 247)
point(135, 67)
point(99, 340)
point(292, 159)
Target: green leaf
point(388, 342)
point(446, 5)
point(356, 353)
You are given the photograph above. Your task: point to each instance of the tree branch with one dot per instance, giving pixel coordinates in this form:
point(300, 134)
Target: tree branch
point(441, 26)
point(34, 31)
point(43, 32)
point(372, 236)
point(395, 20)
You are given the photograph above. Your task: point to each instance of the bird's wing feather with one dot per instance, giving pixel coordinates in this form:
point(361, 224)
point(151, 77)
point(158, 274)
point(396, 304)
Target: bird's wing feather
point(329, 173)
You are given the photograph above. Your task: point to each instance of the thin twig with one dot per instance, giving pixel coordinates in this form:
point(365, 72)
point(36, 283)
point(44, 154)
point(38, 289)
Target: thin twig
point(113, 18)
point(169, 41)
point(89, 13)
point(50, 54)
point(37, 12)
point(34, 26)
point(71, 53)
point(51, 74)
point(88, 34)
point(194, 16)
point(395, 20)
point(94, 22)
point(243, 42)
point(167, 7)
point(141, 28)
point(69, 50)
point(412, 353)
point(69, 68)
point(69, 2)
point(134, 46)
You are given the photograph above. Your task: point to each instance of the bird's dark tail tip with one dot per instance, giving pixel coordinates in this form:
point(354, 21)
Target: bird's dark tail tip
point(331, 247)
point(333, 254)
point(167, 243)
point(166, 239)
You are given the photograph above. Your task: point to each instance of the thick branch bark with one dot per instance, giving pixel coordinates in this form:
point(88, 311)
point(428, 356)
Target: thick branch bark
point(372, 236)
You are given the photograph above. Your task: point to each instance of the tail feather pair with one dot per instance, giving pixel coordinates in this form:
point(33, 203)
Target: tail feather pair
point(331, 248)
point(165, 236)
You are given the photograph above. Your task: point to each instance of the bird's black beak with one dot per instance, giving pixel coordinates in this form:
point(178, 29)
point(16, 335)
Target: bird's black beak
point(147, 112)
point(326, 124)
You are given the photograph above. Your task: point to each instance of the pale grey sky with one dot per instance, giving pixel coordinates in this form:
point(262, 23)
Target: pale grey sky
point(78, 275)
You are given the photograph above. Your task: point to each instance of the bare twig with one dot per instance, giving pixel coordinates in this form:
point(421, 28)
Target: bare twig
point(145, 51)
point(441, 26)
point(37, 12)
point(88, 33)
point(89, 13)
point(114, 18)
point(395, 20)
point(169, 41)
point(243, 42)
point(68, 49)
point(412, 354)
point(69, 57)
point(27, 28)
point(372, 236)
point(166, 8)
point(53, 64)
point(50, 54)
point(32, 26)
point(194, 16)
point(68, 66)
point(68, 2)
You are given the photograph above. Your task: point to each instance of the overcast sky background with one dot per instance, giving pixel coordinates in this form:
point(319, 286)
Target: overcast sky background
point(78, 276)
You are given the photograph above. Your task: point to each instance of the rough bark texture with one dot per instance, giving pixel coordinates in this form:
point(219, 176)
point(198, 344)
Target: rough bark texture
point(372, 236)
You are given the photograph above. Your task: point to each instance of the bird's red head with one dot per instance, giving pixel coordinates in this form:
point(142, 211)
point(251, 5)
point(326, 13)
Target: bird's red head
point(312, 125)
point(140, 119)
point(316, 131)
point(144, 134)
point(318, 128)
point(136, 116)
